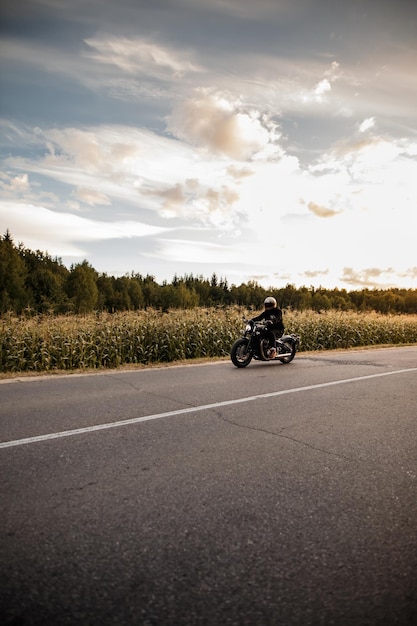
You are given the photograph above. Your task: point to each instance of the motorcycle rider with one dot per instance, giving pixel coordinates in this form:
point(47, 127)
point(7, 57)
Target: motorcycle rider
point(272, 315)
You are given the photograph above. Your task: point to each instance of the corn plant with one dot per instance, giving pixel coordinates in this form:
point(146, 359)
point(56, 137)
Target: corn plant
point(48, 343)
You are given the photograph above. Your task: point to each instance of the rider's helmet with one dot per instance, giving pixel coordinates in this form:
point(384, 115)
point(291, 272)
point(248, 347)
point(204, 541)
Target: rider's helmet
point(270, 303)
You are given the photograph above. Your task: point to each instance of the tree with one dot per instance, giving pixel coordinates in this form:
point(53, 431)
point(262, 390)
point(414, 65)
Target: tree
point(410, 301)
point(45, 282)
point(13, 273)
point(151, 292)
point(46, 290)
point(105, 286)
point(82, 287)
point(321, 301)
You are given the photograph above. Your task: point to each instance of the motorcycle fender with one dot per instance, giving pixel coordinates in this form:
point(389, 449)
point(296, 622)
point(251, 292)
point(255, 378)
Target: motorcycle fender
point(288, 339)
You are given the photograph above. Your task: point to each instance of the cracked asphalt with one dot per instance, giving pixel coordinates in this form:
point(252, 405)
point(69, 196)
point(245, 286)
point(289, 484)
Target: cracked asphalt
point(296, 509)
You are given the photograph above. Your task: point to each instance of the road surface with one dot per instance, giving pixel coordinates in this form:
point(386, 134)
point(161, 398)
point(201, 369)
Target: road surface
point(208, 495)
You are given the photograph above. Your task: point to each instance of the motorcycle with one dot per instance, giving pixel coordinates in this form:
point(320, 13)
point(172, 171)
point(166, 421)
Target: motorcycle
point(256, 343)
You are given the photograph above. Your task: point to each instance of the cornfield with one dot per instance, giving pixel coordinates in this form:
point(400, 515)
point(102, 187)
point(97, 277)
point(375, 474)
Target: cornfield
point(47, 343)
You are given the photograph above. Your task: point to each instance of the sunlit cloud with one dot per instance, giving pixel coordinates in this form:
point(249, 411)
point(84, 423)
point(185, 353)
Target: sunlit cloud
point(315, 273)
point(104, 165)
point(221, 124)
point(195, 199)
point(321, 211)
point(384, 278)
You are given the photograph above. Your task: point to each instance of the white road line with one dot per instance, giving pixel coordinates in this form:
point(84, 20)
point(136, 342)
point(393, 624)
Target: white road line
point(194, 409)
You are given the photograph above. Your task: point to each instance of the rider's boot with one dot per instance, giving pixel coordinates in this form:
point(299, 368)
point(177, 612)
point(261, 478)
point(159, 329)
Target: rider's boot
point(272, 353)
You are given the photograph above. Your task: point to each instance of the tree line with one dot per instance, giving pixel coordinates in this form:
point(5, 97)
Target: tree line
point(33, 282)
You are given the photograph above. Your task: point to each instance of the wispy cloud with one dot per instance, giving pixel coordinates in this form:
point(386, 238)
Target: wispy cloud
point(141, 56)
point(60, 233)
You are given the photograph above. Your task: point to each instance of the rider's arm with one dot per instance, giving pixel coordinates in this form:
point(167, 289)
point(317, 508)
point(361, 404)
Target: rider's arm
point(259, 318)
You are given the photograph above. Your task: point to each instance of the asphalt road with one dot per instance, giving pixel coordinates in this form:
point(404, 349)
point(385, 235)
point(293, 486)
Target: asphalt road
point(208, 495)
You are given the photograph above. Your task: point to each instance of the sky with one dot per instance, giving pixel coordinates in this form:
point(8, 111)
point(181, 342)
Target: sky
point(272, 141)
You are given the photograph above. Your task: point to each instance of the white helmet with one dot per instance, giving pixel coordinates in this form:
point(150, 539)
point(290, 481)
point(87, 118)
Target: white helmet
point(270, 302)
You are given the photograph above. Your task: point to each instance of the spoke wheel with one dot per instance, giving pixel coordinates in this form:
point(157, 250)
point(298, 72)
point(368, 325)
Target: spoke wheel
point(240, 354)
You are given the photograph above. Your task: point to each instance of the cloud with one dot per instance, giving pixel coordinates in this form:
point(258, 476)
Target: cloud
point(210, 205)
point(129, 69)
point(14, 184)
point(101, 149)
point(20, 186)
point(172, 197)
point(140, 56)
point(411, 272)
point(239, 173)
point(219, 123)
point(372, 277)
point(59, 233)
point(90, 196)
point(321, 211)
point(114, 161)
point(202, 252)
point(367, 124)
point(311, 95)
point(370, 174)
point(315, 273)
point(107, 165)
point(322, 88)
point(151, 177)
point(271, 129)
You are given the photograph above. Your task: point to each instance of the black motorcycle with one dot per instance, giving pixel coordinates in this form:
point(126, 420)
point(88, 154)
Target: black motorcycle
point(257, 343)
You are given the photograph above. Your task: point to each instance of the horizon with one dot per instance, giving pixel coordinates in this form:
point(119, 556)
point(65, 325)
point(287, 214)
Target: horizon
point(221, 280)
point(273, 142)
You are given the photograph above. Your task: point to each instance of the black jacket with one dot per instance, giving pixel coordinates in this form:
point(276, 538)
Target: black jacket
point(274, 315)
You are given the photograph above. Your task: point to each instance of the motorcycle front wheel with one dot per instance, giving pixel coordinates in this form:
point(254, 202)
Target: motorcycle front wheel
point(240, 353)
point(289, 349)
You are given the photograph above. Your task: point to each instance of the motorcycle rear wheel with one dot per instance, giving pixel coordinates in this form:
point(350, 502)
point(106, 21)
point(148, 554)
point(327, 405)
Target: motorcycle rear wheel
point(288, 347)
point(240, 355)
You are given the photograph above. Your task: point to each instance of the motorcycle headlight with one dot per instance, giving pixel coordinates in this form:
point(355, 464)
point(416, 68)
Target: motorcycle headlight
point(248, 327)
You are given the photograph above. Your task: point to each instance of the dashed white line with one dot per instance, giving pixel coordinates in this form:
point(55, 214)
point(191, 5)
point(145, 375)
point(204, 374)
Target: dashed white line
point(194, 409)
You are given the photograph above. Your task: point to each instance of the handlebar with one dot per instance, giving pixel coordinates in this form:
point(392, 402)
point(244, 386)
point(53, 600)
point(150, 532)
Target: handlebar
point(265, 323)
